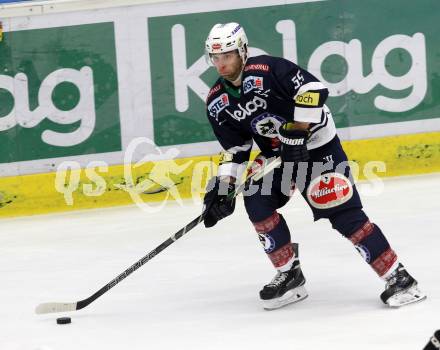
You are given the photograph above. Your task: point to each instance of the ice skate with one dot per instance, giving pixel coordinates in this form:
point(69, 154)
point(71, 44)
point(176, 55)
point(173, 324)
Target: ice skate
point(285, 288)
point(401, 289)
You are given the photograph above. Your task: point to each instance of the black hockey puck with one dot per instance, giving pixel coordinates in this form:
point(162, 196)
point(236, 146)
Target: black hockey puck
point(64, 320)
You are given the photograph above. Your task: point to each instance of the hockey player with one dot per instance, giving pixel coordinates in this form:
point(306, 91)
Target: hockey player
point(281, 107)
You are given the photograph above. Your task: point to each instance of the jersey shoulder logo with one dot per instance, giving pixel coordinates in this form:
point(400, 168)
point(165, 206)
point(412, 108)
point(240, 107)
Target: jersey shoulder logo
point(215, 89)
point(251, 83)
point(308, 99)
point(257, 67)
point(217, 105)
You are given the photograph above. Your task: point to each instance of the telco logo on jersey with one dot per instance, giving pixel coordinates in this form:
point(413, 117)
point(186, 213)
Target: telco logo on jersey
point(218, 104)
point(249, 108)
point(251, 83)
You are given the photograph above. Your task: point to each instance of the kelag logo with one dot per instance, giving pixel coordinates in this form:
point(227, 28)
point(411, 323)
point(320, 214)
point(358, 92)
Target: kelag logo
point(58, 93)
point(376, 70)
point(84, 111)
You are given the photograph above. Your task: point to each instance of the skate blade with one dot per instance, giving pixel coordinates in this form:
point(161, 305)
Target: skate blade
point(290, 297)
point(410, 296)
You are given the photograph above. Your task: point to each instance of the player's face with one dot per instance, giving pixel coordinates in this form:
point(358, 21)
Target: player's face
point(228, 64)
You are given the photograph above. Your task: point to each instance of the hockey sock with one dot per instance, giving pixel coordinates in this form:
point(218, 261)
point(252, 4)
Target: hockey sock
point(274, 235)
point(368, 239)
point(374, 248)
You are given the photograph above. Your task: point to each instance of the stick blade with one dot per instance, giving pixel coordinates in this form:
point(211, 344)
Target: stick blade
point(47, 308)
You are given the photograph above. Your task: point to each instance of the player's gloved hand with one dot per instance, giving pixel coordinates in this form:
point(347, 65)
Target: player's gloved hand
point(293, 143)
point(216, 201)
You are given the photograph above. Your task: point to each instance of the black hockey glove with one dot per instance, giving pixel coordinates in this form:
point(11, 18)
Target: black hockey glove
point(217, 205)
point(293, 144)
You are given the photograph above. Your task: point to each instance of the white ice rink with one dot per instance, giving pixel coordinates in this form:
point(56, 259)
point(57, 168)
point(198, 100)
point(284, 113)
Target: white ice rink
point(201, 293)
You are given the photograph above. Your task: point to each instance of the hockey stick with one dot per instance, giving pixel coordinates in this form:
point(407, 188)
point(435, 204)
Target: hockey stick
point(46, 308)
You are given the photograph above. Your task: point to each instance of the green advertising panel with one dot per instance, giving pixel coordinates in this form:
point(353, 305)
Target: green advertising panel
point(58, 92)
point(379, 60)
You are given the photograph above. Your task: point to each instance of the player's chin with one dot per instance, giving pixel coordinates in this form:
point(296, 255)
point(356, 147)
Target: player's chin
point(230, 77)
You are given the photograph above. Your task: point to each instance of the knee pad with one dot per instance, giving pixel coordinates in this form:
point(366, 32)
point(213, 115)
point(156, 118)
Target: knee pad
point(348, 221)
point(260, 207)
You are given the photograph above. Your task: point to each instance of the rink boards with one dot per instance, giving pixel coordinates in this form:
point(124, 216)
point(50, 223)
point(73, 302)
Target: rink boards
point(88, 85)
point(185, 178)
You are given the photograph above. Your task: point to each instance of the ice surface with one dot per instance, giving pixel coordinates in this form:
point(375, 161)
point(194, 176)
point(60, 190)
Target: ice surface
point(202, 292)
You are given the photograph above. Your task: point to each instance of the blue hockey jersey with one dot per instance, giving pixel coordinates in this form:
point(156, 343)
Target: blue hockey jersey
point(273, 91)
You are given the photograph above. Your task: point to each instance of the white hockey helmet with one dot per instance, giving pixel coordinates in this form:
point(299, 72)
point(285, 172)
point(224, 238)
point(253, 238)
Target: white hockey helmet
point(227, 37)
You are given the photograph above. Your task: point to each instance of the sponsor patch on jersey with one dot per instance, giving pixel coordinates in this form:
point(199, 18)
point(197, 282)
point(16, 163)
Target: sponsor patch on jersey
point(218, 104)
point(249, 108)
point(213, 91)
point(257, 67)
point(267, 241)
point(267, 124)
point(251, 83)
point(308, 99)
point(329, 191)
